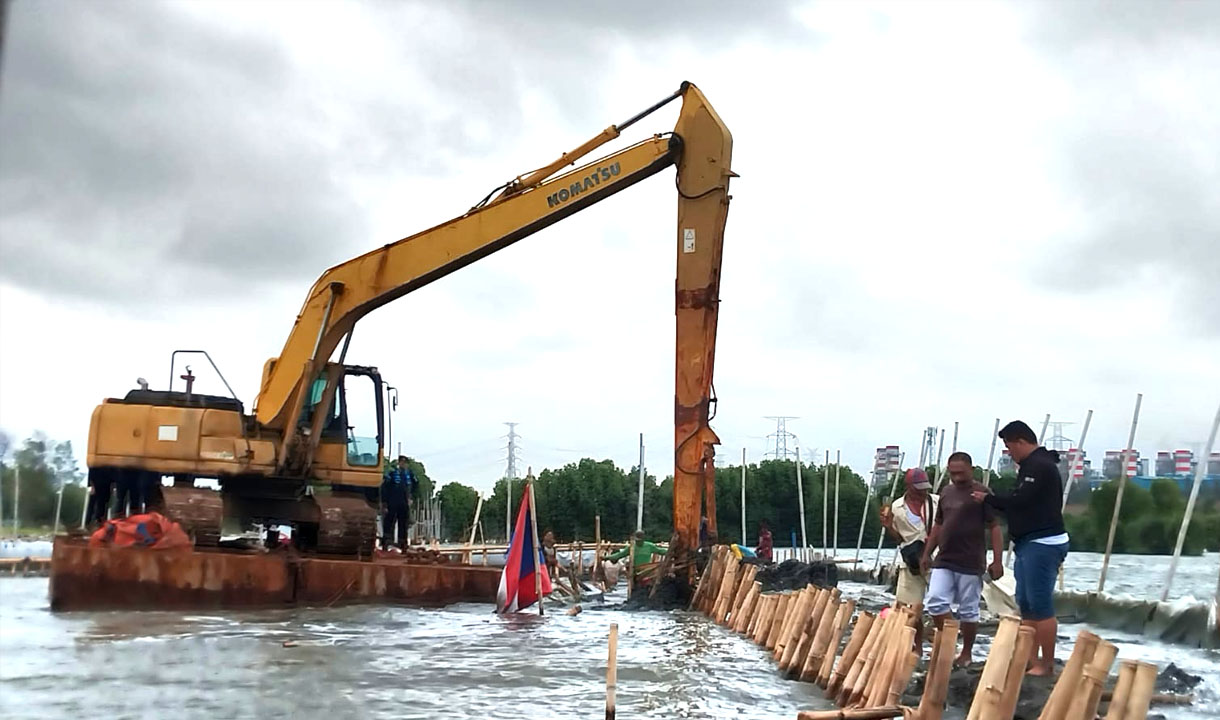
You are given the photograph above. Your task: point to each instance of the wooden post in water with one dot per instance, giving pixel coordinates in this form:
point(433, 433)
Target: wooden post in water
point(940, 667)
point(743, 497)
point(842, 616)
point(1200, 471)
point(1016, 672)
point(825, 504)
point(1067, 487)
point(612, 672)
point(800, 497)
point(859, 635)
point(893, 489)
point(1088, 690)
point(539, 561)
point(1118, 499)
point(991, 453)
point(1142, 688)
point(995, 670)
point(838, 467)
point(1057, 703)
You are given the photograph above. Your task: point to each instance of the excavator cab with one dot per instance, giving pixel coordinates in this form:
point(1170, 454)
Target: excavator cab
point(354, 416)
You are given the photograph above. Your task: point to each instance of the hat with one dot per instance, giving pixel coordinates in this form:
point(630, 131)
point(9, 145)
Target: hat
point(918, 479)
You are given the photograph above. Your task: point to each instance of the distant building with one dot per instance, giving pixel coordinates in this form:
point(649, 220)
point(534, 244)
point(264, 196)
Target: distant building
point(1006, 464)
point(1213, 464)
point(1110, 466)
point(1072, 456)
point(1164, 464)
point(886, 460)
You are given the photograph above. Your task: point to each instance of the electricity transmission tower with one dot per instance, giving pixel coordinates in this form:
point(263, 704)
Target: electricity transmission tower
point(1057, 440)
point(510, 474)
point(781, 436)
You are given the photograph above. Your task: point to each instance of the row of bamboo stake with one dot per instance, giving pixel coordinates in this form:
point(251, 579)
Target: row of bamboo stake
point(804, 630)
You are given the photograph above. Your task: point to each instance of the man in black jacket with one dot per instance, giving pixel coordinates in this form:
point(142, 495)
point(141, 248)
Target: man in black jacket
point(1035, 525)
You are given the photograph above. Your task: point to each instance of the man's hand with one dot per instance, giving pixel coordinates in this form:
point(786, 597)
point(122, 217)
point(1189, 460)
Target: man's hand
point(978, 496)
point(887, 521)
point(996, 569)
point(924, 565)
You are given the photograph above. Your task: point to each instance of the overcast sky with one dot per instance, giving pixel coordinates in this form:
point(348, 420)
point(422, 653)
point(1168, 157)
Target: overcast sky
point(946, 212)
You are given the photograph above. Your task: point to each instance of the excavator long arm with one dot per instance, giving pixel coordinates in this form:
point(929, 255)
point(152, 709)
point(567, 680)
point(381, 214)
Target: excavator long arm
point(701, 147)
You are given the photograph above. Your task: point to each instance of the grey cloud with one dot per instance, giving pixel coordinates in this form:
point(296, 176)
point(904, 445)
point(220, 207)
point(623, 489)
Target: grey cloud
point(1138, 156)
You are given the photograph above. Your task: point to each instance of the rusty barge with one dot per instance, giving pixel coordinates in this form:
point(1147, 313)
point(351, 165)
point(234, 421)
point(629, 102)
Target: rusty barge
point(94, 578)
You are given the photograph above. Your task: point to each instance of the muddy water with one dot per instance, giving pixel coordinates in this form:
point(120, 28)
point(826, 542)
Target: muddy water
point(393, 662)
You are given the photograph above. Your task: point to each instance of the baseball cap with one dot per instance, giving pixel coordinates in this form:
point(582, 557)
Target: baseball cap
point(918, 479)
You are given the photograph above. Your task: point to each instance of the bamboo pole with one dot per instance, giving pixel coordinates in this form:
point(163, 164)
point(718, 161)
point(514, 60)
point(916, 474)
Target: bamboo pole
point(941, 479)
point(539, 565)
point(1016, 673)
point(819, 641)
point(699, 589)
point(763, 623)
point(742, 621)
point(715, 570)
point(876, 657)
point(1061, 695)
point(1088, 690)
point(612, 672)
point(893, 489)
point(780, 619)
point(800, 497)
point(802, 634)
point(1067, 487)
point(744, 586)
point(826, 600)
point(940, 453)
point(743, 497)
point(995, 433)
point(826, 504)
point(900, 647)
point(859, 635)
point(790, 634)
point(940, 668)
point(842, 616)
point(902, 676)
point(727, 586)
point(881, 713)
point(838, 467)
point(853, 684)
point(1045, 424)
point(1141, 692)
point(1200, 471)
point(598, 570)
point(1118, 499)
point(1122, 691)
point(991, 682)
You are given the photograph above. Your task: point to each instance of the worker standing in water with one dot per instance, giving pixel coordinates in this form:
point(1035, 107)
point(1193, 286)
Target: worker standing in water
point(1040, 540)
point(908, 520)
point(644, 551)
point(396, 490)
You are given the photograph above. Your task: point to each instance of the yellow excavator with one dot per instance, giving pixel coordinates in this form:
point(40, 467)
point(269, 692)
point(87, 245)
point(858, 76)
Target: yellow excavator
point(296, 460)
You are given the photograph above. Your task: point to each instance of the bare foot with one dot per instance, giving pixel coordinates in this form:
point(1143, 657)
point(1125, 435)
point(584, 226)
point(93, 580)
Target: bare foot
point(1039, 669)
point(962, 660)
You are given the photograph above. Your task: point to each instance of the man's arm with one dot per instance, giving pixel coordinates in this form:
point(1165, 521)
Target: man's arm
point(655, 550)
point(619, 554)
point(1023, 495)
point(930, 544)
point(996, 569)
point(887, 522)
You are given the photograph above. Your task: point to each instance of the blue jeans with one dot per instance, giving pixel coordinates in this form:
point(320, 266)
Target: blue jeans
point(1035, 570)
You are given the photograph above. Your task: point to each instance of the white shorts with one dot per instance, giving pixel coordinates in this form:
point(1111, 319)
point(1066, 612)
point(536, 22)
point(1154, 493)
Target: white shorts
point(947, 588)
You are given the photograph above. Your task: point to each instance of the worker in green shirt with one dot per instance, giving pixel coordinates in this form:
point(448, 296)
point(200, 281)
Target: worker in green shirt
point(644, 551)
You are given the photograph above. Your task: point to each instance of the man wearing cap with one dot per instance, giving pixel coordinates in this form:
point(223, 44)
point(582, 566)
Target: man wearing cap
point(908, 521)
point(958, 532)
point(1035, 523)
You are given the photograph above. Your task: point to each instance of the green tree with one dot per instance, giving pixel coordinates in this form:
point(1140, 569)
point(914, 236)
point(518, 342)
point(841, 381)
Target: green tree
point(458, 503)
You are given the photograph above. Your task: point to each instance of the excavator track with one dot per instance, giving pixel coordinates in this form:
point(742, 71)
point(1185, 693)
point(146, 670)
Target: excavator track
point(348, 525)
point(199, 511)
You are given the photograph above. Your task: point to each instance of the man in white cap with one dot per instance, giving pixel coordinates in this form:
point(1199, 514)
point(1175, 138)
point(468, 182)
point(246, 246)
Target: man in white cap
point(908, 521)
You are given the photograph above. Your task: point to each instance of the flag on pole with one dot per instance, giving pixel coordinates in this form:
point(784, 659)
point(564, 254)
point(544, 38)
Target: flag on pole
point(517, 583)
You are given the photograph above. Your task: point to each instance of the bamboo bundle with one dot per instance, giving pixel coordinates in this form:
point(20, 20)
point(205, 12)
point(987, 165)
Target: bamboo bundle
point(1016, 672)
point(760, 612)
point(697, 597)
point(865, 659)
point(719, 562)
point(743, 588)
point(940, 667)
point(859, 634)
point(761, 628)
point(1141, 692)
point(802, 636)
point(794, 602)
point(1122, 691)
point(820, 638)
point(876, 657)
point(991, 682)
point(1061, 695)
point(1088, 690)
point(777, 621)
point(796, 622)
point(746, 613)
point(902, 675)
point(900, 645)
point(842, 617)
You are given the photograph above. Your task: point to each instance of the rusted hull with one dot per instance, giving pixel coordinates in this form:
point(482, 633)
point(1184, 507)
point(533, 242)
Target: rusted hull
point(84, 578)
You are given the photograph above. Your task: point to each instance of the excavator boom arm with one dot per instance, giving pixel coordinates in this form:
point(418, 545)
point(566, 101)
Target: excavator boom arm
point(700, 146)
